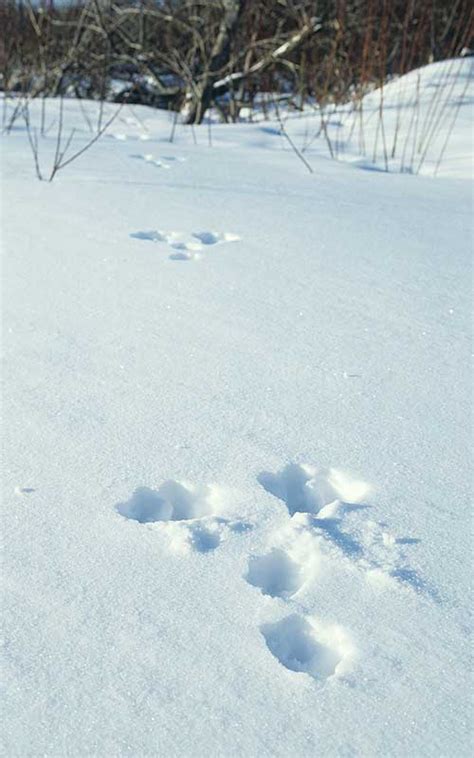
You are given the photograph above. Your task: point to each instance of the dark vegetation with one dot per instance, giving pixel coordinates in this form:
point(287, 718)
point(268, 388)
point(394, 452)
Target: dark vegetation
point(189, 55)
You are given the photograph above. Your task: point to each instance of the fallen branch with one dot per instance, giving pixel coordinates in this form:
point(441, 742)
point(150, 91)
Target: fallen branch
point(287, 47)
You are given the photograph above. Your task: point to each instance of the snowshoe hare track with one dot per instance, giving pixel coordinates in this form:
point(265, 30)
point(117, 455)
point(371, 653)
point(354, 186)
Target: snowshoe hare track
point(190, 515)
point(163, 162)
point(325, 522)
point(186, 247)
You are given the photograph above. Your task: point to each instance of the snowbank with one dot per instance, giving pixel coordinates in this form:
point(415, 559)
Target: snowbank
point(235, 477)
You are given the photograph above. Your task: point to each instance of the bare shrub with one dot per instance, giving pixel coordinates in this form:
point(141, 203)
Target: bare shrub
point(192, 55)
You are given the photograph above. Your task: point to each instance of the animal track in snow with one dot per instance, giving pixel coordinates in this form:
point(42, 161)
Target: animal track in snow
point(173, 501)
point(327, 504)
point(305, 489)
point(162, 162)
point(172, 158)
point(307, 645)
point(215, 238)
point(191, 514)
point(122, 137)
point(185, 251)
point(293, 559)
point(150, 158)
point(327, 527)
point(153, 236)
point(203, 538)
point(275, 573)
point(183, 247)
point(303, 644)
point(202, 535)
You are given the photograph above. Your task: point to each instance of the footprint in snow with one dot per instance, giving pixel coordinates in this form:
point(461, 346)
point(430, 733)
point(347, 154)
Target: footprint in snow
point(302, 643)
point(172, 158)
point(149, 158)
point(185, 251)
point(320, 529)
point(152, 235)
point(183, 247)
point(163, 161)
point(173, 501)
point(192, 514)
point(277, 574)
point(305, 489)
point(215, 238)
point(327, 522)
point(121, 137)
point(309, 646)
point(328, 505)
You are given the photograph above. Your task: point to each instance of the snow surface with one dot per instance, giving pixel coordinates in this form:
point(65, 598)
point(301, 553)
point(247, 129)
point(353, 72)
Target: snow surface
point(236, 414)
point(420, 123)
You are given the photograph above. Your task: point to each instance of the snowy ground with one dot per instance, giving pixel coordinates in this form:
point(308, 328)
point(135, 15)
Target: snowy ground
point(420, 123)
point(235, 426)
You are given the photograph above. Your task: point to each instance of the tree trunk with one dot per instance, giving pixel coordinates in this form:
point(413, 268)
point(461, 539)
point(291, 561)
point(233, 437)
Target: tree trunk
point(199, 98)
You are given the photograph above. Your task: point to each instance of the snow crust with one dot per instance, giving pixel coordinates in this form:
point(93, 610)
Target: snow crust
point(236, 486)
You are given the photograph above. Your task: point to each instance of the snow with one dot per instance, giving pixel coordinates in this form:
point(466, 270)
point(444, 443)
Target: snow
point(426, 124)
point(236, 417)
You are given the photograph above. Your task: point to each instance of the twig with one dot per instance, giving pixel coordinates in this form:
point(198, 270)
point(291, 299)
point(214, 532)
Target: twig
point(209, 131)
point(173, 126)
point(451, 126)
point(62, 164)
point(288, 138)
point(33, 140)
